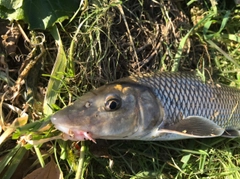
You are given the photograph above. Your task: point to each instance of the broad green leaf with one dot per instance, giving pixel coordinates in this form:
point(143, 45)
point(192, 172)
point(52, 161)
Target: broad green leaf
point(11, 4)
point(18, 14)
point(39, 14)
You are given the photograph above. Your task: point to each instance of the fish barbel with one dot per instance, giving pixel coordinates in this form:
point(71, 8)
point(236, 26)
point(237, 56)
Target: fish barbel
point(158, 106)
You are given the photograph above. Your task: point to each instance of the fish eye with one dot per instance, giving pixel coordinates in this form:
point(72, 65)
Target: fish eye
point(112, 103)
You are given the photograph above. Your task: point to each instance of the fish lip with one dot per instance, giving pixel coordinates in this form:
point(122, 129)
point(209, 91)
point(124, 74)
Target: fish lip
point(74, 133)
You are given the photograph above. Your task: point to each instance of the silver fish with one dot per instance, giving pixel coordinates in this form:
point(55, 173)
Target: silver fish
point(159, 106)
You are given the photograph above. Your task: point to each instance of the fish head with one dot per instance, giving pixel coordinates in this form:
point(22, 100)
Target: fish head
point(113, 111)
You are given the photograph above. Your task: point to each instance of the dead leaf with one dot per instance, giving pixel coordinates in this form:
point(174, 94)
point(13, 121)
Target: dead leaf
point(10, 39)
point(20, 121)
point(50, 171)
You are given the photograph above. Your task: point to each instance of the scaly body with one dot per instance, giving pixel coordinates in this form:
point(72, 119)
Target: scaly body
point(160, 106)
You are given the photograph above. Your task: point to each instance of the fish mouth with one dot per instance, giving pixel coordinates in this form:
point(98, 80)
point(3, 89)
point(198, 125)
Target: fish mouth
point(74, 134)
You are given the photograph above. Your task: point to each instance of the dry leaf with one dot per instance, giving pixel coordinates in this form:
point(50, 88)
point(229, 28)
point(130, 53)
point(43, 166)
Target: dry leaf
point(50, 171)
point(20, 121)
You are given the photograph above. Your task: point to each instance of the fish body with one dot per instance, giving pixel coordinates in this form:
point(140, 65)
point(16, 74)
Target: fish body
point(158, 106)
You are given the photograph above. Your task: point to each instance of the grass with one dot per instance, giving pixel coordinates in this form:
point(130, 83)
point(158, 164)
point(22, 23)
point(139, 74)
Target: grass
point(102, 43)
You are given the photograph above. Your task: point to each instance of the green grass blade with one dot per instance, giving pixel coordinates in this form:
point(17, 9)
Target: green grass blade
point(39, 155)
point(178, 55)
point(7, 158)
point(14, 162)
point(222, 52)
point(57, 72)
point(224, 21)
point(80, 169)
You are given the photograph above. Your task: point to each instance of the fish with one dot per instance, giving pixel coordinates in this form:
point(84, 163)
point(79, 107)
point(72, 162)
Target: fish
point(153, 107)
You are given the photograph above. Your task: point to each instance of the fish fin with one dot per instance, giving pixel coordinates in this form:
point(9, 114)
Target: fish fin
point(196, 126)
point(231, 133)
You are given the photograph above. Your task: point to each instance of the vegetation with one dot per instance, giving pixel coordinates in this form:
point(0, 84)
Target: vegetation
point(54, 51)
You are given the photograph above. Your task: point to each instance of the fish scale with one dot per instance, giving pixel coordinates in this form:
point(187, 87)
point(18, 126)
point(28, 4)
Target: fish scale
point(157, 106)
point(201, 99)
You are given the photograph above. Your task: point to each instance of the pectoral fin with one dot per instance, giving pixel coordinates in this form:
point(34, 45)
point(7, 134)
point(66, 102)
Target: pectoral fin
point(197, 126)
point(190, 127)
